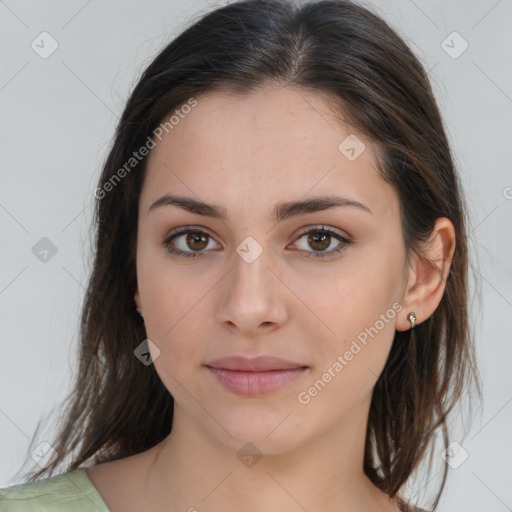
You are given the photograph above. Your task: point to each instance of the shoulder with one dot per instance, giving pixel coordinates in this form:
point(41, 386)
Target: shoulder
point(69, 491)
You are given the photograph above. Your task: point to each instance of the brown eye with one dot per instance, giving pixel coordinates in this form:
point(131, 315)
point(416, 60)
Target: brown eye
point(189, 242)
point(319, 243)
point(197, 241)
point(319, 240)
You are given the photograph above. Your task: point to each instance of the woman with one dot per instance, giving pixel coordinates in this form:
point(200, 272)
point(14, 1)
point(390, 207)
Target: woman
point(277, 312)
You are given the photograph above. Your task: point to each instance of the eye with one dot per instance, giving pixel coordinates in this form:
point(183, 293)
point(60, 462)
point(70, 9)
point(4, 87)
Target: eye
point(190, 241)
point(320, 239)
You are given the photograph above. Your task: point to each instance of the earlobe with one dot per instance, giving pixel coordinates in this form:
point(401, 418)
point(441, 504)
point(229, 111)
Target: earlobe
point(428, 274)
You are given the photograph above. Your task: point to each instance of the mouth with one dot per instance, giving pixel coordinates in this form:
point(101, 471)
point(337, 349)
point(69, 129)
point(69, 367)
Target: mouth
point(255, 377)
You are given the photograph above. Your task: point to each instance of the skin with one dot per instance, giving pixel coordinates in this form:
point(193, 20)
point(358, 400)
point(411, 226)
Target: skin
point(247, 154)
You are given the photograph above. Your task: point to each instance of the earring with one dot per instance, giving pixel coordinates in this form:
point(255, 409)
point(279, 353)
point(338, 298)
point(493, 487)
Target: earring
point(412, 319)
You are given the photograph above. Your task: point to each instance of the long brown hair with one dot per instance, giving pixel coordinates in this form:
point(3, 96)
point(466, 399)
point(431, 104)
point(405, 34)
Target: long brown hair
point(119, 407)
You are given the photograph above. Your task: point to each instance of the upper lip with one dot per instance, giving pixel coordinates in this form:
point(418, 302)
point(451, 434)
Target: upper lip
point(256, 364)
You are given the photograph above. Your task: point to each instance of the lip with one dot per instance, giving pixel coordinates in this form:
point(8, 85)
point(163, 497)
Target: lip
point(255, 376)
point(256, 364)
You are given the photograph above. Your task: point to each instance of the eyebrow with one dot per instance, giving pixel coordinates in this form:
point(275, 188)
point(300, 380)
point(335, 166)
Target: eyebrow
point(281, 212)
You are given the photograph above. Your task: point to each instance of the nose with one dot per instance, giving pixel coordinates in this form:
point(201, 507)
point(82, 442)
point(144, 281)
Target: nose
point(252, 299)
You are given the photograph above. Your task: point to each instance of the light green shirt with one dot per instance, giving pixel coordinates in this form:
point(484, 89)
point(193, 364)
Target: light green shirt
point(69, 492)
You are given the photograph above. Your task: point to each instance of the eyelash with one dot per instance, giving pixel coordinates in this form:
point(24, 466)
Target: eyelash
point(344, 242)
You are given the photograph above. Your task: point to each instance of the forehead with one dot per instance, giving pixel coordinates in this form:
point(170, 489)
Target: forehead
point(273, 144)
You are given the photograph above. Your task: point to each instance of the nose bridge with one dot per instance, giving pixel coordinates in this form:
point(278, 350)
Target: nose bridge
point(252, 295)
point(250, 273)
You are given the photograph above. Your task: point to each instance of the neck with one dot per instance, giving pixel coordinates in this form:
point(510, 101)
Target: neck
point(192, 471)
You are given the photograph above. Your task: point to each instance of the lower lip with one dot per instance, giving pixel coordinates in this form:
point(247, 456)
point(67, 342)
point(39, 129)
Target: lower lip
point(256, 383)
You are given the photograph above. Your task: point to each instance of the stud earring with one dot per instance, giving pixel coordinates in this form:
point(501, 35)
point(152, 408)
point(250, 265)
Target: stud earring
point(140, 315)
point(412, 319)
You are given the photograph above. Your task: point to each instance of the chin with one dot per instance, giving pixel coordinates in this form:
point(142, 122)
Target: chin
point(271, 436)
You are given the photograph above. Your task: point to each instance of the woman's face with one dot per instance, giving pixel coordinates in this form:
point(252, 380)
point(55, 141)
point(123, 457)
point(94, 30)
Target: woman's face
point(264, 279)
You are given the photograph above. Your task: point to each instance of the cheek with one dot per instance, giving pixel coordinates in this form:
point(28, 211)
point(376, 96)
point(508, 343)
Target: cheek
point(350, 361)
point(358, 306)
point(352, 297)
point(170, 301)
point(173, 310)
point(168, 290)
point(173, 325)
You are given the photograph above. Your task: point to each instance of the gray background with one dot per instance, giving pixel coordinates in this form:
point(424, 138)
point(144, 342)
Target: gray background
point(58, 116)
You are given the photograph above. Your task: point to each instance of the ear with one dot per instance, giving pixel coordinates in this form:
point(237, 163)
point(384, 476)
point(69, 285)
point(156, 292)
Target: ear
point(427, 275)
